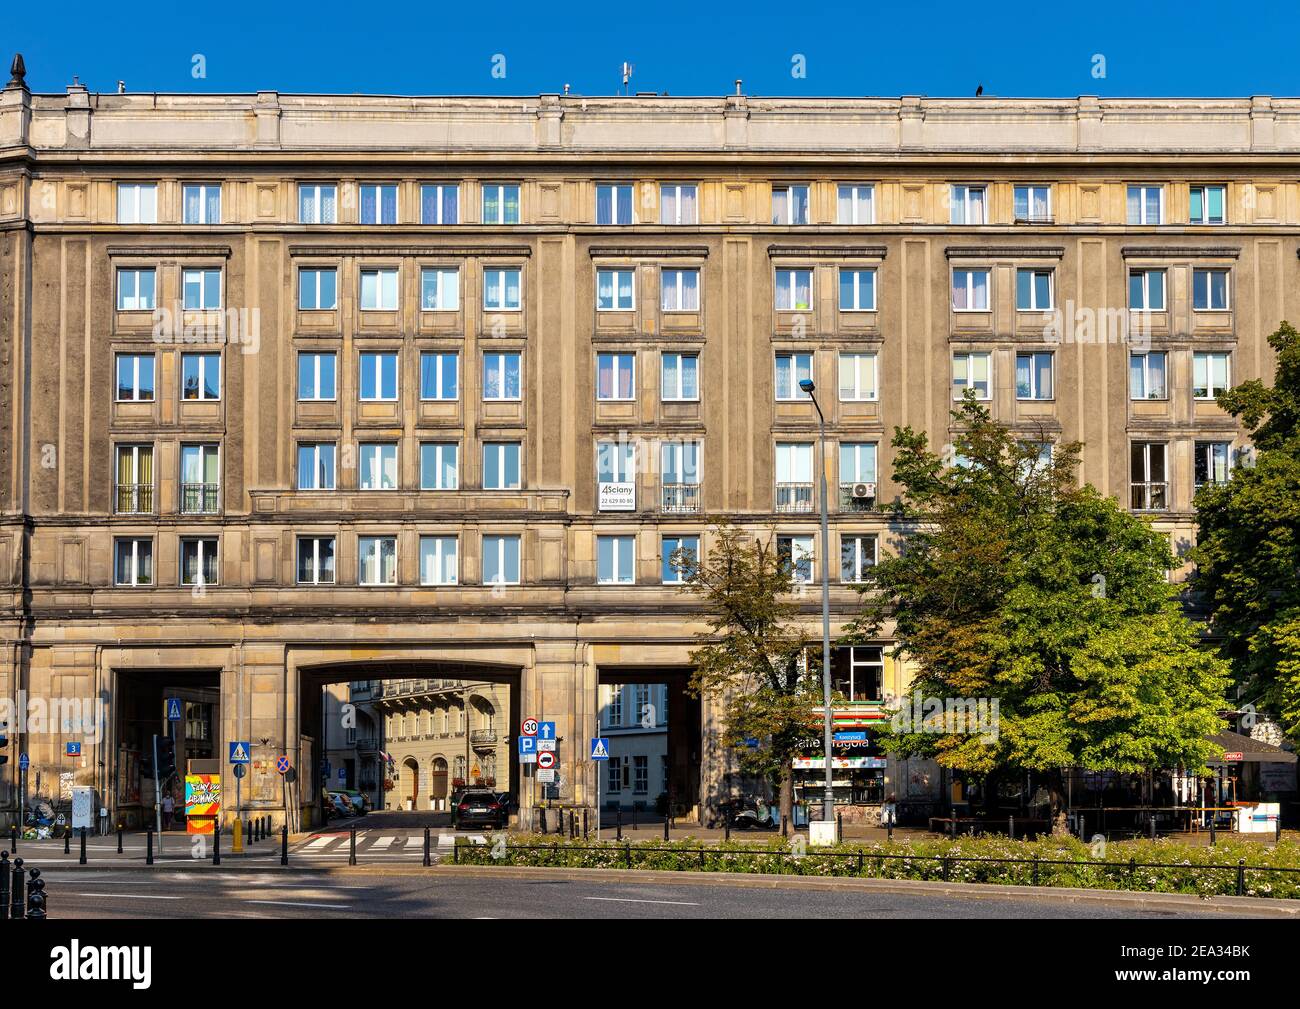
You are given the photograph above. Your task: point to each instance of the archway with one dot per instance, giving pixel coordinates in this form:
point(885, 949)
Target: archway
point(438, 784)
point(410, 783)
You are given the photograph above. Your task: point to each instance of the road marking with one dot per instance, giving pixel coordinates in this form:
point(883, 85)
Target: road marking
point(632, 900)
point(380, 843)
point(320, 842)
point(414, 842)
point(131, 896)
point(299, 903)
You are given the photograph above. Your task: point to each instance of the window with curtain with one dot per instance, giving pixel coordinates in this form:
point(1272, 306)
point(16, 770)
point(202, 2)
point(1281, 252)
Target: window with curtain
point(377, 560)
point(439, 289)
point(791, 369)
point(440, 203)
point(679, 290)
point(502, 377)
point(378, 204)
point(615, 376)
point(793, 290)
point(377, 466)
point(199, 560)
point(317, 204)
point(855, 204)
point(679, 377)
point(614, 204)
point(500, 204)
point(438, 560)
point(614, 290)
point(439, 465)
point(201, 202)
point(134, 479)
point(1034, 375)
point(677, 204)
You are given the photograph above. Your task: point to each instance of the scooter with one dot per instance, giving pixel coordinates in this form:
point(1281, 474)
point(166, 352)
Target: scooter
point(748, 817)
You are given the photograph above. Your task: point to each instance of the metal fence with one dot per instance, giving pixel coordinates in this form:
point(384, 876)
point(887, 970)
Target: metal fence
point(22, 891)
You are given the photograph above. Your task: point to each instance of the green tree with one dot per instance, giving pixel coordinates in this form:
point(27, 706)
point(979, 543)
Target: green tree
point(753, 660)
point(1016, 584)
point(1248, 542)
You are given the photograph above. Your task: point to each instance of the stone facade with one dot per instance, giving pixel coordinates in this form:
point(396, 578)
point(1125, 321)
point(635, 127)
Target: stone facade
point(95, 213)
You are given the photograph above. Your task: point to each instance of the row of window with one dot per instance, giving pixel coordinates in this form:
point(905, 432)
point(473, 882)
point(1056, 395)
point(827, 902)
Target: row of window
point(439, 203)
point(439, 559)
point(679, 289)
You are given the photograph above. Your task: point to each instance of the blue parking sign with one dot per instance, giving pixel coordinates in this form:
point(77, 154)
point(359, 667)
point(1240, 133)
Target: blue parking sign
point(527, 744)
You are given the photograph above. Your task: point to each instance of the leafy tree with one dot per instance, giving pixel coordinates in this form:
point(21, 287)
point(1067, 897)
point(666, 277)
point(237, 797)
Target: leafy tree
point(753, 658)
point(1015, 583)
point(1248, 545)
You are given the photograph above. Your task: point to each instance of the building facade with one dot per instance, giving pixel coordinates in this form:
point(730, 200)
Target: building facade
point(313, 389)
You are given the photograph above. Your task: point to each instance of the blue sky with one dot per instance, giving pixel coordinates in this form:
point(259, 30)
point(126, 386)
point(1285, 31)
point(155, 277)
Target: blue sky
point(937, 48)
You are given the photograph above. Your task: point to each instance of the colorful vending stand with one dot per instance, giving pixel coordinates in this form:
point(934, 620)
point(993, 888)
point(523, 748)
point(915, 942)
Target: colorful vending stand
point(202, 803)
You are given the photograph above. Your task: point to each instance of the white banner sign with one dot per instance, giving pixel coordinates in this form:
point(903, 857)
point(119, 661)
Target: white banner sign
point(616, 497)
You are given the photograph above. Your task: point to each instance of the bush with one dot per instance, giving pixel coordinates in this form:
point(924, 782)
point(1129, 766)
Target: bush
point(1164, 866)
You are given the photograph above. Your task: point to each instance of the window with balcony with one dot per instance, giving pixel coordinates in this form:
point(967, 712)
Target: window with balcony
point(678, 204)
point(132, 561)
point(501, 560)
point(200, 479)
point(1148, 477)
point(1210, 290)
point(855, 204)
point(500, 204)
point(317, 203)
point(201, 203)
point(1146, 204)
point(1212, 462)
point(680, 476)
point(135, 382)
point(316, 560)
point(201, 376)
point(791, 369)
point(969, 204)
point(439, 465)
point(857, 554)
point(794, 476)
point(970, 290)
point(789, 205)
point(198, 560)
point(973, 372)
point(680, 554)
point(377, 560)
point(857, 290)
point(378, 203)
point(134, 478)
point(614, 204)
point(679, 290)
point(794, 290)
point(440, 203)
point(679, 377)
point(439, 375)
point(501, 290)
point(316, 465)
point(379, 290)
point(614, 290)
point(378, 374)
point(857, 476)
point(137, 203)
point(1210, 374)
point(317, 289)
point(501, 465)
point(439, 289)
point(201, 290)
point(616, 476)
point(615, 376)
point(1033, 290)
point(796, 554)
point(858, 378)
point(377, 466)
point(1034, 375)
point(1032, 204)
point(502, 377)
point(438, 560)
point(316, 375)
point(135, 290)
point(1206, 204)
point(615, 560)
point(1147, 375)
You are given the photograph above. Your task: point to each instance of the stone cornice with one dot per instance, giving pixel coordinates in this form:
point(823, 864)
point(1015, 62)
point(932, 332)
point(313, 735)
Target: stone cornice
point(649, 251)
point(827, 251)
point(411, 250)
point(155, 251)
point(1180, 251)
point(1004, 252)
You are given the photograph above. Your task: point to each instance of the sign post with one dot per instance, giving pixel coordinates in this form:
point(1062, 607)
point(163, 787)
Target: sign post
point(240, 756)
point(599, 752)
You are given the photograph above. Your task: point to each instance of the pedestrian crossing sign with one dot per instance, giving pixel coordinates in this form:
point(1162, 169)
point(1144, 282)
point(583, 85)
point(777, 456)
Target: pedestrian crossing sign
point(239, 752)
point(600, 749)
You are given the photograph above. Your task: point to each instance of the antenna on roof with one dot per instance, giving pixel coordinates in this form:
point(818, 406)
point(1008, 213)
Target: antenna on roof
point(627, 74)
point(121, 87)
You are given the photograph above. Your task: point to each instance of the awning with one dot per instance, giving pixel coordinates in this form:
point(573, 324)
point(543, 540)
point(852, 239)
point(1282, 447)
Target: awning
point(1239, 749)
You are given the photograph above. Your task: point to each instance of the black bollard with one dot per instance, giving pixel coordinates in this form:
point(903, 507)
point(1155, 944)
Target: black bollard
point(284, 845)
point(17, 902)
point(953, 827)
point(13, 838)
point(584, 823)
point(428, 861)
point(728, 813)
point(839, 826)
point(248, 831)
point(1153, 826)
point(36, 897)
point(542, 810)
point(634, 823)
point(1011, 827)
point(1277, 829)
point(1212, 833)
point(216, 844)
point(889, 831)
point(4, 885)
point(67, 841)
point(618, 822)
point(573, 825)
point(148, 846)
point(666, 837)
point(82, 859)
point(352, 846)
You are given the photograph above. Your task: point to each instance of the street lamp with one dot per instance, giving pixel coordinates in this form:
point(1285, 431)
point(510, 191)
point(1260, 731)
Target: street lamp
point(828, 794)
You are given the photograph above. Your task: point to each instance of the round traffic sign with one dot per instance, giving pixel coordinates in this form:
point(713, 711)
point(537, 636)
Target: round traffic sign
point(282, 765)
point(546, 760)
point(529, 728)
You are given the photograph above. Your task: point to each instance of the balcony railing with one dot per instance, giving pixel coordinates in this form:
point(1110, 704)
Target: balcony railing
point(794, 497)
point(401, 688)
point(1150, 497)
point(135, 498)
point(852, 500)
point(680, 498)
point(200, 498)
point(484, 736)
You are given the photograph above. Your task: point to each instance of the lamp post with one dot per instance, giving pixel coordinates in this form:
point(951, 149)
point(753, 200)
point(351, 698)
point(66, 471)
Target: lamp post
point(828, 794)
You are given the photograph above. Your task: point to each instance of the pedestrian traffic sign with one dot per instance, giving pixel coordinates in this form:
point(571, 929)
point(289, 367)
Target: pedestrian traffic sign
point(282, 764)
point(529, 728)
point(343, 775)
point(545, 760)
point(23, 762)
point(545, 730)
point(600, 749)
point(174, 709)
point(73, 750)
point(240, 752)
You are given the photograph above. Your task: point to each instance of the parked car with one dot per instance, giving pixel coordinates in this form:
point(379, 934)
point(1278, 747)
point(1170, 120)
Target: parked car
point(482, 807)
point(342, 804)
point(360, 801)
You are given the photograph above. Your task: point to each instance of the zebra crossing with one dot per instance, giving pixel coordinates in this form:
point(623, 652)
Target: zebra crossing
point(381, 844)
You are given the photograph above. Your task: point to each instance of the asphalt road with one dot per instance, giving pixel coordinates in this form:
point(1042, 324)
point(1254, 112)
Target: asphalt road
point(211, 893)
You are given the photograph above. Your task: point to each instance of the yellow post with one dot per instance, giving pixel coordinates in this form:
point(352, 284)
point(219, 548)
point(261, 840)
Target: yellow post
point(238, 846)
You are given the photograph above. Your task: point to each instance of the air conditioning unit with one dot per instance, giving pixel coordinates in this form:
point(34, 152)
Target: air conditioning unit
point(864, 490)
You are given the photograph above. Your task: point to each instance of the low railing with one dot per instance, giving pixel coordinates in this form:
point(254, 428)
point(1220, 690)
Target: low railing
point(483, 735)
point(1150, 497)
point(794, 497)
point(135, 499)
point(200, 498)
point(680, 498)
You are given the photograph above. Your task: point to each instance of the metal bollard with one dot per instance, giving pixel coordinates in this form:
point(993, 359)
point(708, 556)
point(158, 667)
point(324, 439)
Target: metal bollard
point(17, 903)
point(666, 826)
point(352, 846)
point(119, 839)
point(13, 838)
point(5, 871)
point(67, 841)
point(542, 811)
point(36, 897)
point(839, 827)
point(1213, 835)
point(635, 826)
point(1241, 877)
point(148, 846)
point(216, 844)
point(1277, 829)
point(618, 822)
point(1011, 827)
point(427, 860)
point(584, 823)
point(1153, 826)
point(82, 859)
point(284, 845)
point(573, 825)
point(889, 831)
point(726, 824)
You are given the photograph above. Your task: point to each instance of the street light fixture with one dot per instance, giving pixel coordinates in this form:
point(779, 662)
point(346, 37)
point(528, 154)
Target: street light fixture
point(828, 793)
